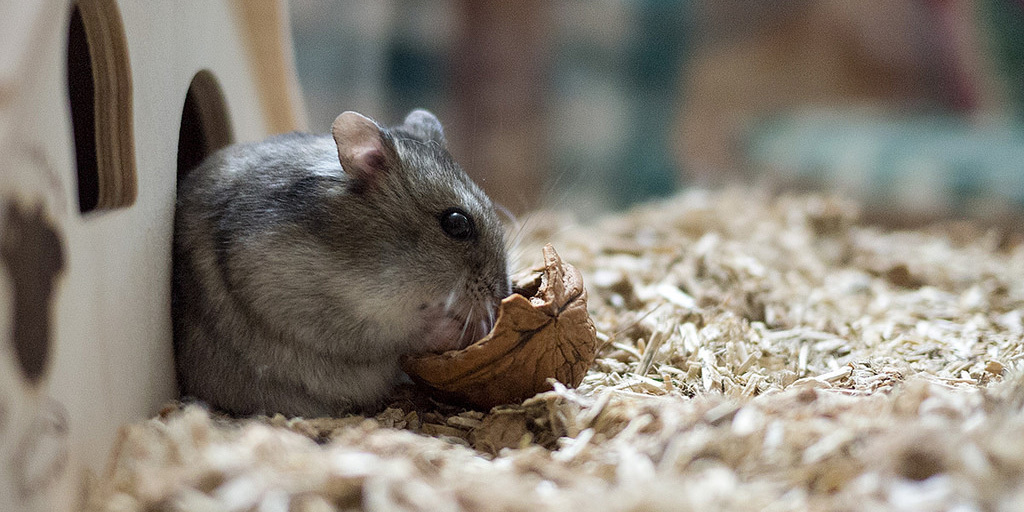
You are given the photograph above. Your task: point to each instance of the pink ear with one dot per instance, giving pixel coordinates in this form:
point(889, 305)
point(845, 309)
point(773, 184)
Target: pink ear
point(362, 150)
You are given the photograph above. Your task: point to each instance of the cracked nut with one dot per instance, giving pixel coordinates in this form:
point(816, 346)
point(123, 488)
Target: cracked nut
point(542, 332)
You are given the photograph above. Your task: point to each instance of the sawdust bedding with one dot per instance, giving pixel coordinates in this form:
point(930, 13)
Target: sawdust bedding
point(756, 354)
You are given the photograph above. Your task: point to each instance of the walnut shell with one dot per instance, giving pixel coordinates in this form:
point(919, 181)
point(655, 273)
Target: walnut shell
point(548, 335)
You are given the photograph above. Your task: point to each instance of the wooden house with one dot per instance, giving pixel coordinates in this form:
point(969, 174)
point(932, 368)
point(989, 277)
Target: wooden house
point(103, 104)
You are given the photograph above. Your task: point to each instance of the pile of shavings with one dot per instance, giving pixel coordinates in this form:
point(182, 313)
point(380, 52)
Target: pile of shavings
point(756, 353)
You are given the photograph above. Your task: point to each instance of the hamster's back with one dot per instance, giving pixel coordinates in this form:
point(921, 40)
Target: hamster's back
point(234, 217)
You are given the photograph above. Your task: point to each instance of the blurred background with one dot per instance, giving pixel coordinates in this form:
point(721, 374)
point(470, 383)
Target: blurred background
point(913, 107)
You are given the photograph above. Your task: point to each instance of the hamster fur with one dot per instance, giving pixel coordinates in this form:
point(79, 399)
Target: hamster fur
point(306, 265)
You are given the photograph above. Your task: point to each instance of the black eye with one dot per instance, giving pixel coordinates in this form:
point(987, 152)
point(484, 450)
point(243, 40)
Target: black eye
point(457, 224)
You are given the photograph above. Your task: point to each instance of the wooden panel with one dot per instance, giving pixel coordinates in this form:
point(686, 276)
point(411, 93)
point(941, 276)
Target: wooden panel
point(268, 44)
point(104, 143)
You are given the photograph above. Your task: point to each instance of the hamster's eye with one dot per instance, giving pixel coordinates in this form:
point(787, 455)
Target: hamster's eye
point(456, 224)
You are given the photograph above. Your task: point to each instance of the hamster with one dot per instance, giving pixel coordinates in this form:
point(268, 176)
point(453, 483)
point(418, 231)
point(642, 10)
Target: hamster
point(306, 265)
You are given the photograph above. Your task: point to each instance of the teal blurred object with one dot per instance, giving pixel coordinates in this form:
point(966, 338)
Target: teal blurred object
point(936, 164)
point(616, 94)
point(1005, 20)
point(652, 76)
point(928, 164)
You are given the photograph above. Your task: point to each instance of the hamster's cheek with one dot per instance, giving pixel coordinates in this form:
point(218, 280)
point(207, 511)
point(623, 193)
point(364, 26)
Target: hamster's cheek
point(442, 329)
point(440, 334)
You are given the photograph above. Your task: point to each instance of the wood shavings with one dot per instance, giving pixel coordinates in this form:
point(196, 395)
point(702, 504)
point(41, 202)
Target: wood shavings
point(756, 355)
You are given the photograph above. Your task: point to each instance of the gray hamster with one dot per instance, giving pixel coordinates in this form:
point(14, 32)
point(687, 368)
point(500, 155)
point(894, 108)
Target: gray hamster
point(306, 265)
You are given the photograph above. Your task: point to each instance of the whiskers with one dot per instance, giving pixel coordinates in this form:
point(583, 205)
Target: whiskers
point(453, 295)
point(561, 196)
point(521, 254)
point(475, 309)
point(509, 216)
point(484, 323)
point(465, 326)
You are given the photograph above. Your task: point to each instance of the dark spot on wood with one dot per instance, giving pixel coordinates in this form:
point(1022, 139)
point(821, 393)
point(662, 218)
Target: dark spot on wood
point(32, 253)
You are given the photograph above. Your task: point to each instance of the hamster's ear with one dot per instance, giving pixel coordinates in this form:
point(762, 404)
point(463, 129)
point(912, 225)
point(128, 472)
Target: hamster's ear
point(424, 125)
point(364, 149)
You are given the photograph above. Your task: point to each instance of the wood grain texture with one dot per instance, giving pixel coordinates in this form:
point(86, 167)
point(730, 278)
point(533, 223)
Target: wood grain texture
point(112, 103)
point(264, 27)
